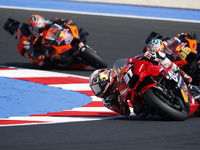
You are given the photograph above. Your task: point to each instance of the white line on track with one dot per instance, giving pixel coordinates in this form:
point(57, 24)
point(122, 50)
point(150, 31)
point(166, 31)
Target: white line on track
point(75, 87)
point(33, 73)
point(20, 72)
point(94, 98)
point(101, 14)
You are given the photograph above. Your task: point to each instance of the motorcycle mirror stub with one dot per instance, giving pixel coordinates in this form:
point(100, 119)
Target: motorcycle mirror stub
point(82, 49)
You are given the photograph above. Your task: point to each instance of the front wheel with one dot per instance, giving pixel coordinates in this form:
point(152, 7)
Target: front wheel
point(162, 107)
point(92, 58)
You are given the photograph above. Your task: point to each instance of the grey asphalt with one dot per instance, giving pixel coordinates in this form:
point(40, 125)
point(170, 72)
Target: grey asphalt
point(113, 38)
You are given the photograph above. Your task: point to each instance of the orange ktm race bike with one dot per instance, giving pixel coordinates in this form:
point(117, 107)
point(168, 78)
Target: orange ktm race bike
point(67, 46)
point(188, 59)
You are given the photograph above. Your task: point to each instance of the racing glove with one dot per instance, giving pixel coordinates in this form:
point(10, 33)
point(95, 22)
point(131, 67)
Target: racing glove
point(124, 108)
point(192, 35)
point(67, 21)
point(121, 101)
point(150, 55)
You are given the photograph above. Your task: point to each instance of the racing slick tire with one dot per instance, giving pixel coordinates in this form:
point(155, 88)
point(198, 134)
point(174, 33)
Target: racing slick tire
point(93, 59)
point(163, 108)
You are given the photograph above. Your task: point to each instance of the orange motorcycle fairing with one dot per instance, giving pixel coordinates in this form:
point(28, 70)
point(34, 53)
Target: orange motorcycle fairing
point(192, 44)
point(61, 49)
point(74, 30)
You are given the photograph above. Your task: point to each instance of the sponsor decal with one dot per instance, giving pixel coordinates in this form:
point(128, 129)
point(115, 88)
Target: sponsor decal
point(184, 94)
point(65, 36)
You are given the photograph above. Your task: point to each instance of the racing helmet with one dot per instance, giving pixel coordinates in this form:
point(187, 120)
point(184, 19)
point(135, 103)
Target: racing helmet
point(36, 25)
point(101, 80)
point(155, 45)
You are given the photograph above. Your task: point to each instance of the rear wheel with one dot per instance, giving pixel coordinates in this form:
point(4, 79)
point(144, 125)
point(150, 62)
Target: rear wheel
point(159, 103)
point(92, 58)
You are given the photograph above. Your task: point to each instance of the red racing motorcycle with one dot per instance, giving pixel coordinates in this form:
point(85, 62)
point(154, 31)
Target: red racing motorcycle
point(163, 91)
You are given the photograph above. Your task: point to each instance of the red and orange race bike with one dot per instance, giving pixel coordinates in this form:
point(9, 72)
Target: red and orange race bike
point(64, 46)
point(161, 91)
point(188, 59)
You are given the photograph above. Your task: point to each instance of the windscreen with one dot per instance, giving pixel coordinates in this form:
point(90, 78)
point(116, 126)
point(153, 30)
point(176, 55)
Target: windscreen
point(54, 32)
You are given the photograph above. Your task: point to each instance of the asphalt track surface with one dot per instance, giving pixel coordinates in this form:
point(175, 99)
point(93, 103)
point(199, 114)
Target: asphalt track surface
point(113, 38)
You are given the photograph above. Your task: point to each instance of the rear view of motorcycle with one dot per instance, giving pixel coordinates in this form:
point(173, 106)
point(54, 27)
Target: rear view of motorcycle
point(67, 45)
point(164, 92)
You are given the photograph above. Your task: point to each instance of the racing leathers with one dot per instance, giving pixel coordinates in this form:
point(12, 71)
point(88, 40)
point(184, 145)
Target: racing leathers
point(161, 58)
point(112, 100)
point(35, 48)
point(30, 46)
point(169, 46)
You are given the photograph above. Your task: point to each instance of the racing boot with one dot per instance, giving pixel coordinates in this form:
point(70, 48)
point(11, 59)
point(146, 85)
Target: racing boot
point(142, 110)
point(124, 110)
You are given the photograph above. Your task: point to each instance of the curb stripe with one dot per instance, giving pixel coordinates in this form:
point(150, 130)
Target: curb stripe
point(55, 80)
point(60, 80)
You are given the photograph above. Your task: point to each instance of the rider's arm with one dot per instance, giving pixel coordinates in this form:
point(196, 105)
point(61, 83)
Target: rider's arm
point(26, 44)
point(161, 58)
point(164, 61)
point(116, 104)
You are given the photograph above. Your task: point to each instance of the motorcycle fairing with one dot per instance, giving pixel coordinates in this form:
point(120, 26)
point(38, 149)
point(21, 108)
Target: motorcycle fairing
point(190, 103)
point(191, 43)
point(130, 75)
point(61, 37)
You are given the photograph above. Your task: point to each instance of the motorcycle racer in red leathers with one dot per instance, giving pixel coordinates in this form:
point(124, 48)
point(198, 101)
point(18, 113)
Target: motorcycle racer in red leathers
point(103, 83)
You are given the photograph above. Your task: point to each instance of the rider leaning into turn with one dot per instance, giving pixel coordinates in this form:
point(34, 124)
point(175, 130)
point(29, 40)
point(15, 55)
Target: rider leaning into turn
point(103, 82)
point(183, 49)
point(156, 51)
point(30, 43)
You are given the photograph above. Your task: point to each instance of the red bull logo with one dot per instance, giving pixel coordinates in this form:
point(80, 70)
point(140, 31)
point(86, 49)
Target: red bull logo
point(65, 36)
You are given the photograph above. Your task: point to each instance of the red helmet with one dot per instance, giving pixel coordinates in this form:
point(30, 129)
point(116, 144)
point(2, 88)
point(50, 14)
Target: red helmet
point(101, 80)
point(36, 25)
